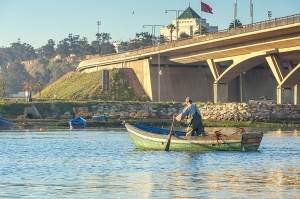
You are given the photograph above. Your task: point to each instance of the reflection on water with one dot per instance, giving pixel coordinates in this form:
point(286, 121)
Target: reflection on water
point(103, 163)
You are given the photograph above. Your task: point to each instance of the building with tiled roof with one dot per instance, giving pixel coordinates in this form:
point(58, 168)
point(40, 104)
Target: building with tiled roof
point(188, 23)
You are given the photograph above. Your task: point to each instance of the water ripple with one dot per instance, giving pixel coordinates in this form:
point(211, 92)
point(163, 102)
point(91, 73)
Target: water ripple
point(67, 164)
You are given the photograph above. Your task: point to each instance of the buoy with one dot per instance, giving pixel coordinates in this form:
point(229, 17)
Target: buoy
point(42, 129)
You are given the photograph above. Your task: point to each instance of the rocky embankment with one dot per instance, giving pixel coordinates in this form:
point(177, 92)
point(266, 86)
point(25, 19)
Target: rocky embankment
point(258, 111)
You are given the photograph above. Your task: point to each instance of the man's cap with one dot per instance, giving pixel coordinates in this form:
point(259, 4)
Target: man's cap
point(188, 99)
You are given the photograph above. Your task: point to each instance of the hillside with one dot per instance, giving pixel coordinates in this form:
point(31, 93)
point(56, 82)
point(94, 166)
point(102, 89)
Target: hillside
point(84, 86)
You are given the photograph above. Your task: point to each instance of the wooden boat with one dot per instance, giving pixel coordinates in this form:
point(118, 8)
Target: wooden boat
point(150, 138)
point(100, 117)
point(77, 123)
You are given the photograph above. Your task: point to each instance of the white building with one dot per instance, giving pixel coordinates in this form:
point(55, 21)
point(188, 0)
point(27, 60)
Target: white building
point(188, 23)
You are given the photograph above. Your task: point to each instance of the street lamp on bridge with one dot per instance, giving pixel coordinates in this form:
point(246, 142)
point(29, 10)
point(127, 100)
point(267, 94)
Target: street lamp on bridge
point(153, 31)
point(177, 15)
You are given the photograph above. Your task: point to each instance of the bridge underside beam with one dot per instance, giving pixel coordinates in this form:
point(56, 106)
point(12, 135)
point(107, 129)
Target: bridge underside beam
point(214, 68)
point(240, 64)
point(276, 67)
point(288, 88)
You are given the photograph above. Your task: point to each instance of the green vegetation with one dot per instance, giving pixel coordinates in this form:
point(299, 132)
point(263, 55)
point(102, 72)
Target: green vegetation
point(89, 86)
point(52, 111)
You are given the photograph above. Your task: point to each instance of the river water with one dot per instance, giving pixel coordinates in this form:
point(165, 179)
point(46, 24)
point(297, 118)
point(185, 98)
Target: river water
point(104, 164)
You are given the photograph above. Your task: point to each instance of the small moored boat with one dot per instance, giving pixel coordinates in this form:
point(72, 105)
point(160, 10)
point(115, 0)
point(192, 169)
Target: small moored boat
point(100, 117)
point(150, 138)
point(77, 123)
point(5, 124)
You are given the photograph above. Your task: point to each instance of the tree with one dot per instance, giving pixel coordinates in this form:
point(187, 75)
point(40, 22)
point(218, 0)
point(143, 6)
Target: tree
point(23, 52)
point(142, 39)
point(183, 35)
point(203, 30)
point(48, 50)
point(102, 38)
point(85, 48)
point(59, 69)
point(171, 27)
point(107, 48)
point(2, 87)
point(123, 46)
point(69, 46)
point(15, 75)
point(63, 48)
point(237, 23)
point(162, 39)
point(6, 55)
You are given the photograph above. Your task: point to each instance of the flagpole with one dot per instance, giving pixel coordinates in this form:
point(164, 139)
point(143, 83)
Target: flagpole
point(251, 11)
point(200, 27)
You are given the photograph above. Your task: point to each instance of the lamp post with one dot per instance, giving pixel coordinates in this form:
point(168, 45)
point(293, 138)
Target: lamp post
point(251, 11)
point(177, 14)
point(153, 30)
point(155, 27)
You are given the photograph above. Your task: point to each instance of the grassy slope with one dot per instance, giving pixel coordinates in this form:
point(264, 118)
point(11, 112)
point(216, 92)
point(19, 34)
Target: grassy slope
point(76, 85)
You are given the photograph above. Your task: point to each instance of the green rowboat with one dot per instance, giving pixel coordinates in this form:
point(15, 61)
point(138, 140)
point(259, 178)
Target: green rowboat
point(150, 138)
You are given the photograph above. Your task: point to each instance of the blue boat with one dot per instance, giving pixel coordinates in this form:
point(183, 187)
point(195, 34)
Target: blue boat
point(100, 117)
point(5, 124)
point(78, 123)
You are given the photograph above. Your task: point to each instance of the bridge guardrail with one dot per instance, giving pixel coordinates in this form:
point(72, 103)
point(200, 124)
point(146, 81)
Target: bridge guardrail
point(262, 25)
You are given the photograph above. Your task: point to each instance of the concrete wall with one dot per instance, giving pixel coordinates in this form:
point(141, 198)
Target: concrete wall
point(177, 82)
point(259, 82)
point(142, 71)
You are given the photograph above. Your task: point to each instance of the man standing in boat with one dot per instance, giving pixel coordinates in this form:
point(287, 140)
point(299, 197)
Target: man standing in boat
point(192, 113)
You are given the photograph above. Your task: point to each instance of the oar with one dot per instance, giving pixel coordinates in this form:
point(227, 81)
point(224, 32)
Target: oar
point(170, 136)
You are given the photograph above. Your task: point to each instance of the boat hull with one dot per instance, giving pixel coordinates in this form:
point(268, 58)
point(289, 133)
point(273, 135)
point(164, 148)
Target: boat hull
point(149, 141)
point(77, 123)
point(100, 117)
point(5, 124)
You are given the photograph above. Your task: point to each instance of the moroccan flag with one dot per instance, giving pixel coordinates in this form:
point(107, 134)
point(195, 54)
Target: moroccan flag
point(206, 8)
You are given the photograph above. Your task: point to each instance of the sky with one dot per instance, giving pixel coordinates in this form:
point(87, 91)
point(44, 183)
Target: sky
point(37, 21)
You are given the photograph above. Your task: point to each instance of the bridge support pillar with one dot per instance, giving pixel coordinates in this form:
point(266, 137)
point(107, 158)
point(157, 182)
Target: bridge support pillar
point(276, 67)
point(284, 95)
point(220, 92)
point(296, 94)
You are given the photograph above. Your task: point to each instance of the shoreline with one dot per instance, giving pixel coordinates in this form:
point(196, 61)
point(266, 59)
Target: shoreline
point(165, 123)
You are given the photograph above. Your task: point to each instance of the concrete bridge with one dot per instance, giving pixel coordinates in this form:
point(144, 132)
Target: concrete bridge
point(261, 59)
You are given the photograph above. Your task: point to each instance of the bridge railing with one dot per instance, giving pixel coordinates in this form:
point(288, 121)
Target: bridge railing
point(272, 23)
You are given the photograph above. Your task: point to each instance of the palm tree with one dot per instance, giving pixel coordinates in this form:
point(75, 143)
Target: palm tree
point(237, 23)
point(172, 28)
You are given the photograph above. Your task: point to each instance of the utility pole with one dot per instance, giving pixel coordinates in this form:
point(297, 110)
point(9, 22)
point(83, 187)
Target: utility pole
point(177, 23)
point(98, 36)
